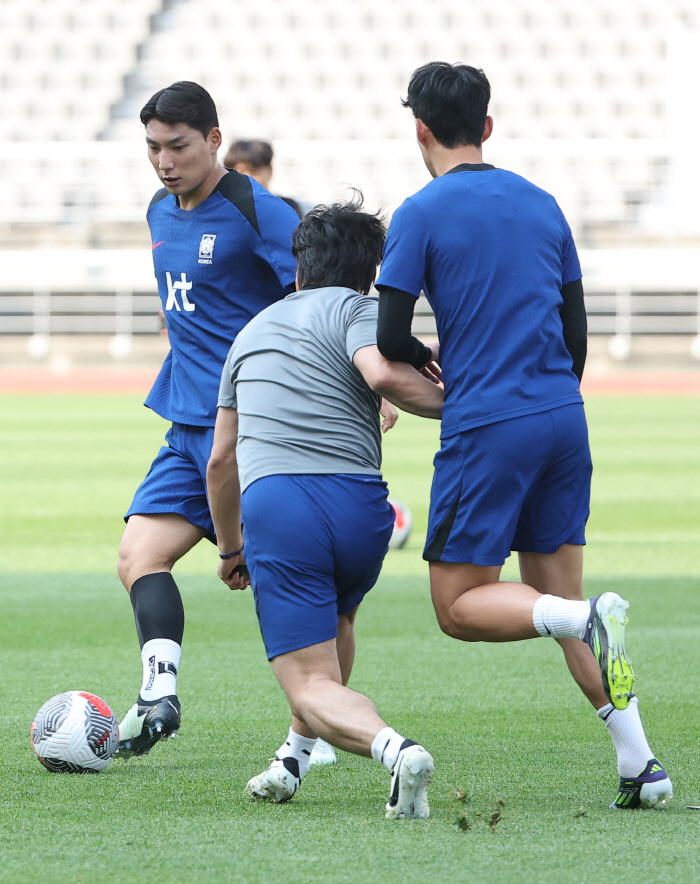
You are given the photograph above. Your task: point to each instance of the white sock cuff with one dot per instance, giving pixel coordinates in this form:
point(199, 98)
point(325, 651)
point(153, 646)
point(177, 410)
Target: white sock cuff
point(539, 612)
point(382, 742)
point(164, 649)
point(560, 618)
point(605, 711)
point(297, 741)
point(160, 658)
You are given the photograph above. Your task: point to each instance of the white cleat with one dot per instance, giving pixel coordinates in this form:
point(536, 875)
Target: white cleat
point(323, 753)
point(656, 794)
point(278, 783)
point(652, 788)
point(409, 784)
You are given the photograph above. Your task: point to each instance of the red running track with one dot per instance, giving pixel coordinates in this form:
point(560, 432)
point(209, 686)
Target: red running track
point(115, 380)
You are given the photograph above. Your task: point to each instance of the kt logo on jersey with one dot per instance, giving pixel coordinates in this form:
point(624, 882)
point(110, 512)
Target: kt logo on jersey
point(182, 286)
point(206, 248)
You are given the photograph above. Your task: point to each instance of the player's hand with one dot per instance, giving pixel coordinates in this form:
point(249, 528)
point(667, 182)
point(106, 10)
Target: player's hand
point(389, 415)
point(432, 370)
point(234, 572)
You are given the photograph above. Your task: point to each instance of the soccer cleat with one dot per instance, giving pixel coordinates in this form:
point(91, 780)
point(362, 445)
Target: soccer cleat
point(651, 788)
point(145, 724)
point(278, 783)
point(323, 753)
point(605, 635)
point(410, 777)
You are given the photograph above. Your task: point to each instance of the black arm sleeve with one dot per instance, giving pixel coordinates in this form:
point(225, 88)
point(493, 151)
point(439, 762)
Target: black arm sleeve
point(573, 318)
point(394, 338)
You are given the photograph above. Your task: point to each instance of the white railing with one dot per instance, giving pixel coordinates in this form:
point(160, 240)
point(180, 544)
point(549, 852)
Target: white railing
point(113, 292)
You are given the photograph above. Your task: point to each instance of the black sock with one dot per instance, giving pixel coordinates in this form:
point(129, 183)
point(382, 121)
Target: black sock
point(158, 609)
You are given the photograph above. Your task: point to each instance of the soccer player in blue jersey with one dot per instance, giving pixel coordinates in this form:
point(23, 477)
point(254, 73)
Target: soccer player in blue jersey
point(497, 262)
point(222, 253)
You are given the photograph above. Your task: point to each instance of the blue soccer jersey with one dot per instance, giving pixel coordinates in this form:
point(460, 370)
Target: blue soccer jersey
point(217, 266)
point(492, 252)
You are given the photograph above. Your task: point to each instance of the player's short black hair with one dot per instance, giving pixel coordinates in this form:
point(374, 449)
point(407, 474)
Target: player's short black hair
point(256, 153)
point(339, 245)
point(452, 100)
point(183, 102)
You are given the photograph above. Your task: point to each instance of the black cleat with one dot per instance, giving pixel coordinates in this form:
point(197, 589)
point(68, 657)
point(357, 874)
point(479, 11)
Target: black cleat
point(145, 724)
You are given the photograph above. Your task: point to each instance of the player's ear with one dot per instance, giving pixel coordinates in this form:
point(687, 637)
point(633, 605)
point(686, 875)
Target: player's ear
point(488, 129)
point(214, 138)
point(423, 132)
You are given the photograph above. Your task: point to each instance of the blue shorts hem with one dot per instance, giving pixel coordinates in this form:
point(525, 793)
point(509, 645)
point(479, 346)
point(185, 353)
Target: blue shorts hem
point(149, 510)
point(278, 650)
point(549, 549)
point(465, 558)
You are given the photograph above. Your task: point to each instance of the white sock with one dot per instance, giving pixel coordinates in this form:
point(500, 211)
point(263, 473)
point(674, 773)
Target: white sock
point(161, 659)
point(560, 618)
point(385, 747)
point(296, 746)
point(627, 732)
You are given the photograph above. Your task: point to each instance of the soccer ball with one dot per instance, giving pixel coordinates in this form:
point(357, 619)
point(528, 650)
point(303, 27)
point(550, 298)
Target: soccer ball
point(75, 732)
point(403, 522)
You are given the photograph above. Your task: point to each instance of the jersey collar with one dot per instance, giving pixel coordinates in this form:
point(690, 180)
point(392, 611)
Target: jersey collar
point(471, 167)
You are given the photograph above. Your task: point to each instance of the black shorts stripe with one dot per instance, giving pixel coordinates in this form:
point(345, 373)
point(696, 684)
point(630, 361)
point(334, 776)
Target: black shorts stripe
point(433, 552)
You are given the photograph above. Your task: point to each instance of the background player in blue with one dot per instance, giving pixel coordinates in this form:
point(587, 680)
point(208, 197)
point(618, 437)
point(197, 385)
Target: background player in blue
point(222, 252)
point(298, 434)
point(496, 260)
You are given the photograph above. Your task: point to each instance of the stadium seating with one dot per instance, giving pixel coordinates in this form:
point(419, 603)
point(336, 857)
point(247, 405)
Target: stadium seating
point(63, 64)
point(581, 98)
point(313, 71)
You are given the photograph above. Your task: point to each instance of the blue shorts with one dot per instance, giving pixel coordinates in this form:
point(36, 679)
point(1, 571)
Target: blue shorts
point(522, 484)
point(177, 480)
point(314, 546)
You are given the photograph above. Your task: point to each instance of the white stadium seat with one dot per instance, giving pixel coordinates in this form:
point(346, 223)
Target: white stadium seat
point(320, 72)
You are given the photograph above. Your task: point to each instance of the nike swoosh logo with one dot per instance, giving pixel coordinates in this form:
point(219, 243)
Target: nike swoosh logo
point(156, 244)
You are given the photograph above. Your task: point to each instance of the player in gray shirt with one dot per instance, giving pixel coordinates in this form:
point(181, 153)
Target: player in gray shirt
point(297, 458)
point(292, 367)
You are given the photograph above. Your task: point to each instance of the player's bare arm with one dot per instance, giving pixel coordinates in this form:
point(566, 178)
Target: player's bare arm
point(400, 383)
point(224, 492)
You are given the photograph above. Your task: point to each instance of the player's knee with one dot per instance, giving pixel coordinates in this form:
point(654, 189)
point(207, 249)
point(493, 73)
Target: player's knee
point(130, 569)
point(135, 562)
point(457, 629)
point(307, 695)
point(123, 570)
point(448, 627)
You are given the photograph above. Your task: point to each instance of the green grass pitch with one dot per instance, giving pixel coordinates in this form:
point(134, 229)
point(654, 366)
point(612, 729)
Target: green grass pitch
point(504, 722)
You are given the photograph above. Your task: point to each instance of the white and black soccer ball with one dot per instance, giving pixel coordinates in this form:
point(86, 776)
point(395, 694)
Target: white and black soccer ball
point(403, 522)
point(75, 732)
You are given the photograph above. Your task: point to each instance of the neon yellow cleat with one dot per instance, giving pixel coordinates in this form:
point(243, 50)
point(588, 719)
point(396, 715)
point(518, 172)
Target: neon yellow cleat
point(605, 635)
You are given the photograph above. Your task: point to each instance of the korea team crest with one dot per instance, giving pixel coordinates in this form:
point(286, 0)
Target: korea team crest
point(206, 248)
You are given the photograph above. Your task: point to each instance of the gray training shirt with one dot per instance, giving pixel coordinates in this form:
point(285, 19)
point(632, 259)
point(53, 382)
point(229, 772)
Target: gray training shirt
point(303, 406)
